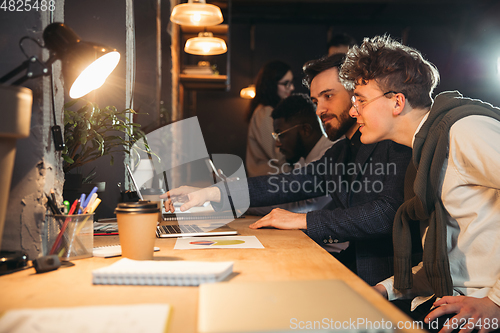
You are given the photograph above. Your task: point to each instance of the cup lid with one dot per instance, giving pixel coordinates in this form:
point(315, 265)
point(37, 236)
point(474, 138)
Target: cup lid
point(140, 207)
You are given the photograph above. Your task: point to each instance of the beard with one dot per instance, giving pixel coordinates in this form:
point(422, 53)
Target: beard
point(345, 123)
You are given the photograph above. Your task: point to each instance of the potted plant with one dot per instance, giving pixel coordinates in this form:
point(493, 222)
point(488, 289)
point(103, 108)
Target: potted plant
point(91, 132)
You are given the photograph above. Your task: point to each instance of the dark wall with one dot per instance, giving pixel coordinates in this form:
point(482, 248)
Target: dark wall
point(463, 42)
point(222, 115)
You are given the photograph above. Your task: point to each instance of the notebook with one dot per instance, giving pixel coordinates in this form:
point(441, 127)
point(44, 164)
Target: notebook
point(191, 230)
point(111, 251)
point(162, 273)
point(282, 306)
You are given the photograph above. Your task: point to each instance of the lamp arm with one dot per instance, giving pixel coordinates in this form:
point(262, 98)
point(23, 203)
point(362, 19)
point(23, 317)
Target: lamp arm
point(14, 72)
point(34, 68)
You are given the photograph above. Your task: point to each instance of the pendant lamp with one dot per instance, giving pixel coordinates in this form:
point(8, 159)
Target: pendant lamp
point(205, 44)
point(196, 13)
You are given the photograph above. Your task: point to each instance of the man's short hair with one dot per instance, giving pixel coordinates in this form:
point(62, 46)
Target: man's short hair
point(393, 66)
point(297, 107)
point(314, 67)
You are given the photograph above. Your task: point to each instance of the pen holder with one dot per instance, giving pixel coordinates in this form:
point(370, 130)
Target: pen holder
point(69, 236)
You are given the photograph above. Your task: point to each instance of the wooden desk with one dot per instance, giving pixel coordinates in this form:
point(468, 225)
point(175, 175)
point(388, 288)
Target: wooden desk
point(288, 255)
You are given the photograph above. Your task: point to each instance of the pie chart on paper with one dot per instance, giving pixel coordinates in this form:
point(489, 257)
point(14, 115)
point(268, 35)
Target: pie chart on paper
point(205, 243)
point(219, 242)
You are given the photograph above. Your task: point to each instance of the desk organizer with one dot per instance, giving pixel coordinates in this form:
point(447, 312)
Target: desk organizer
point(69, 236)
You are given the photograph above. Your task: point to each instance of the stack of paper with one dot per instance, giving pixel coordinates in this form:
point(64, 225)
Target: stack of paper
point(162, 273)
point(151, 318)
point(198, 70)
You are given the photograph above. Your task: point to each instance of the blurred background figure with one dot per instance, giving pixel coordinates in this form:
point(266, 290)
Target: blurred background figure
point(300, 138)
point(340, 43)
point(274, 83)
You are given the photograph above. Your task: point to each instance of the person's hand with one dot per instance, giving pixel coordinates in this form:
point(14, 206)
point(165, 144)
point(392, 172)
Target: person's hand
point(381, 290)
point(281, 219)
point(190, 196)
point(479, 313)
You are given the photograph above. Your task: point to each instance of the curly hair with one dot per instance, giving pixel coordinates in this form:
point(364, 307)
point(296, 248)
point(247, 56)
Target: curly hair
point(266, 85)
point(393, 66)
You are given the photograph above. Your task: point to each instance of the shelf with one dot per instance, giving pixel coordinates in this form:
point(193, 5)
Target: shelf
point(220, 29)
point(218, 82)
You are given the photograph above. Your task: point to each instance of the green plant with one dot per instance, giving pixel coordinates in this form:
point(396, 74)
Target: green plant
point(92, 132)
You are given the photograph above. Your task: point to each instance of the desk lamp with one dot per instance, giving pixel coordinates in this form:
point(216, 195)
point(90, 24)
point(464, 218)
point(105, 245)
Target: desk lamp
point(85, 67)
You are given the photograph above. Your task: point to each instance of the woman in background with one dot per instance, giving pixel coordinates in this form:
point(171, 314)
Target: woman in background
point(274, 83)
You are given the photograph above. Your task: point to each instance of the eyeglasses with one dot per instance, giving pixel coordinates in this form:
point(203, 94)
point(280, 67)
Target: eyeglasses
point(287, 84)
point(361, 105)
point(276, 136)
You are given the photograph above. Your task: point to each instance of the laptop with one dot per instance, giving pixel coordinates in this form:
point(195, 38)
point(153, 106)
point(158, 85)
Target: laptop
point(284, 306)
point(193, 229)
point(198, 227)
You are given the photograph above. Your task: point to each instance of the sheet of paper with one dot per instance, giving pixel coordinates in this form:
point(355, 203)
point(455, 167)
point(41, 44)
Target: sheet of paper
point(220, 242)
point(150, 318)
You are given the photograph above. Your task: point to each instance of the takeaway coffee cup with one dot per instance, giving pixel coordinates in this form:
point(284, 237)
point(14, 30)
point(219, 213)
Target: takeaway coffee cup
point(137, 228)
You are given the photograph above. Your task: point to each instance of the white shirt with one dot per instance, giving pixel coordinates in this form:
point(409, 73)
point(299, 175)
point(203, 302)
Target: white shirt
point(470, 192)
point(262, 156)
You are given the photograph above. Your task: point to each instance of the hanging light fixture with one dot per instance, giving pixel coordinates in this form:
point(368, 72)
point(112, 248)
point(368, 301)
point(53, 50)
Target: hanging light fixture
point(205, 44)
point(196, 13)
point(248, 92)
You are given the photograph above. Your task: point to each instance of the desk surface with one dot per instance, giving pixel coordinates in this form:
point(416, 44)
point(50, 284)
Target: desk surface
point(288, 255)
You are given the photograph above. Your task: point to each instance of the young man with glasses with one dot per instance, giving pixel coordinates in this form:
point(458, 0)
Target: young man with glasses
point(365, 183)
point(457, 202)
point(300, 138)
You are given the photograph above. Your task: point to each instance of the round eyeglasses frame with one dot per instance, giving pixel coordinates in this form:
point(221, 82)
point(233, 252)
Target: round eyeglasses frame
point(360, 107)
point(276, 136)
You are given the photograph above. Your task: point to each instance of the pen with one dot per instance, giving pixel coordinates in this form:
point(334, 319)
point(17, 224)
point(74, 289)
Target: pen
point(88, 207)
point(74, 207)
point(85, 203)
point(53, 195)
point(55, 210)
point(66, 207)
point(82, 199)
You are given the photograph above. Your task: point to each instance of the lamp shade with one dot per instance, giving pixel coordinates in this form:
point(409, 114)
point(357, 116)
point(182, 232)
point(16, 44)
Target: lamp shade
point(248, 92)
point(85, 65)
point(205, 44)
point(196, 13)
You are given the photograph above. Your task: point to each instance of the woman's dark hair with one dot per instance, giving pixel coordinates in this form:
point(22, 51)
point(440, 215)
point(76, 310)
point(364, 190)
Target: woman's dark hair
point(266, 85)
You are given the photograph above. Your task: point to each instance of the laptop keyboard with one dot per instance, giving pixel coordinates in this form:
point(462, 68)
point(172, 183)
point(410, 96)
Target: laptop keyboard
point(175, 229)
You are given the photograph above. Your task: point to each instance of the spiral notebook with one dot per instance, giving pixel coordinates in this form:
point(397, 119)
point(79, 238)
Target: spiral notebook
point(109, 251)
point(162, 273)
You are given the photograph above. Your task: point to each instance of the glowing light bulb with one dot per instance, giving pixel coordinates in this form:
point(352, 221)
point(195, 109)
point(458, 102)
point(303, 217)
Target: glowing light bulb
point(94, 75)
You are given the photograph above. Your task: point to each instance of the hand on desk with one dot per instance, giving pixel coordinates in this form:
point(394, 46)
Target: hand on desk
point(381, 290)
point(281, 219)
point(190, 196)
point(469, 312)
